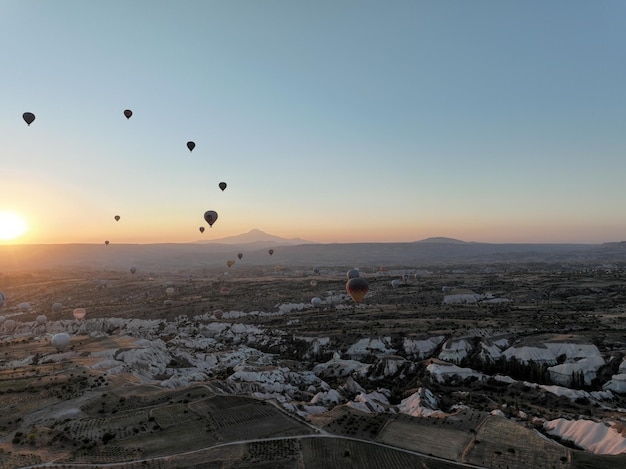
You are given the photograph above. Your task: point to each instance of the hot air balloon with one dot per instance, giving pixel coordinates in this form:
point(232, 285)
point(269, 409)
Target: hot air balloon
point(79, 313)
point(106, 242)
point(169, 291)
point(133, 270)
point(316, 301)
point(117, 217)
point(41, 319)
point(357, 288)
point(201, 229)
point(210, 216)
point(405, 277)
point(316, 270)
point(271, 251)
point(56, 307)
point(191, 145)
point(218, 314)
point(60, 341)
point(9, 325)
point(222, 185)
point(28, 117)
point(352, 273)
point(240, 255)
point(224, 290)
point(168, 303)
point(2, 299)
point(23, 307)
point(395, 283)
point(230, 263)
point(128, 113)
point(314, 283)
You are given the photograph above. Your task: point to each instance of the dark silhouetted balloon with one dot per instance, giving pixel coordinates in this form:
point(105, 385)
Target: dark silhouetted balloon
point(222, 185)
point(56, 307)
point(201, 229)
point(2, 299)
point(128, 113)
point(271, 251)
point(117, 218)
point(230, 263)
point(106, 242)
point(191, 145)
point(210, 216)
point(240, 255)
point(28, 117)
point(133, 270)
point(357, 288)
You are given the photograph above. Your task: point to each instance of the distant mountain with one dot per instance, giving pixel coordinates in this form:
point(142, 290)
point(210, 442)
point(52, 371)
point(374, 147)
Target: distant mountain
point(441, 239)
point(257, 237)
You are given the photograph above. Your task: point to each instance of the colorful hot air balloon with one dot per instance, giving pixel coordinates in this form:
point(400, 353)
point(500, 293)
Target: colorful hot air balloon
point(240, 255)
point(271, 251)
point(28, 117)
point(79, 313)
point(117, 217)
point(201, 229)
point(128, 113)
point(222, 185)
point(210, 216)
point(357, 288)
point(218, 314)
point(230, 263)
point(191, 145)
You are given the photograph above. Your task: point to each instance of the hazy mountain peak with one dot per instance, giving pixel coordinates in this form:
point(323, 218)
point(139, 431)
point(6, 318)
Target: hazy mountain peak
point(256, 236)
point(441, 239)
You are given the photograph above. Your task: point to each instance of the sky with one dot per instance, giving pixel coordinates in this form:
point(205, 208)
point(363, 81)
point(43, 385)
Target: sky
point(330, 120)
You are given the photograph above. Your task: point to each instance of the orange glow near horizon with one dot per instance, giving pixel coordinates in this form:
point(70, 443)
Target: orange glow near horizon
point(12, 226)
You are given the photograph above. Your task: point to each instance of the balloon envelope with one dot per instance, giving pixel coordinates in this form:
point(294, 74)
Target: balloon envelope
point(315, 301)
point(271, 251)
point(218, 313)
point(106, 242)
point(222, 185)
point(23, 307)
point(56, 307)
point(240, 255)
point(313, 283)
point(224, 290)
point(42, 319)
point(395, 283)
point(60, 341)
point(201, 229)
point(79, 313)
point(210, 216)
point(117, 218)
point(357, 288)
point(230, 263)
point(133, 270)
point(128, 113)
point(2, 299)
point(352, 273)
point(169, 291)
point(191, 145)
point(28, 117)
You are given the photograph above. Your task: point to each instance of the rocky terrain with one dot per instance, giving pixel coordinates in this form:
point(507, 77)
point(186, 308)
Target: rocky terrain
point(539, 346)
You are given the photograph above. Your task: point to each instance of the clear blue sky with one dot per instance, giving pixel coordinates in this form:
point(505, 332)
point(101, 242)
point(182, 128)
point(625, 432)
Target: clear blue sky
point(332, 121)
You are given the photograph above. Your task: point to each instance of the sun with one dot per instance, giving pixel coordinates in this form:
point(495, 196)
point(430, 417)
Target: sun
point(11, 226)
